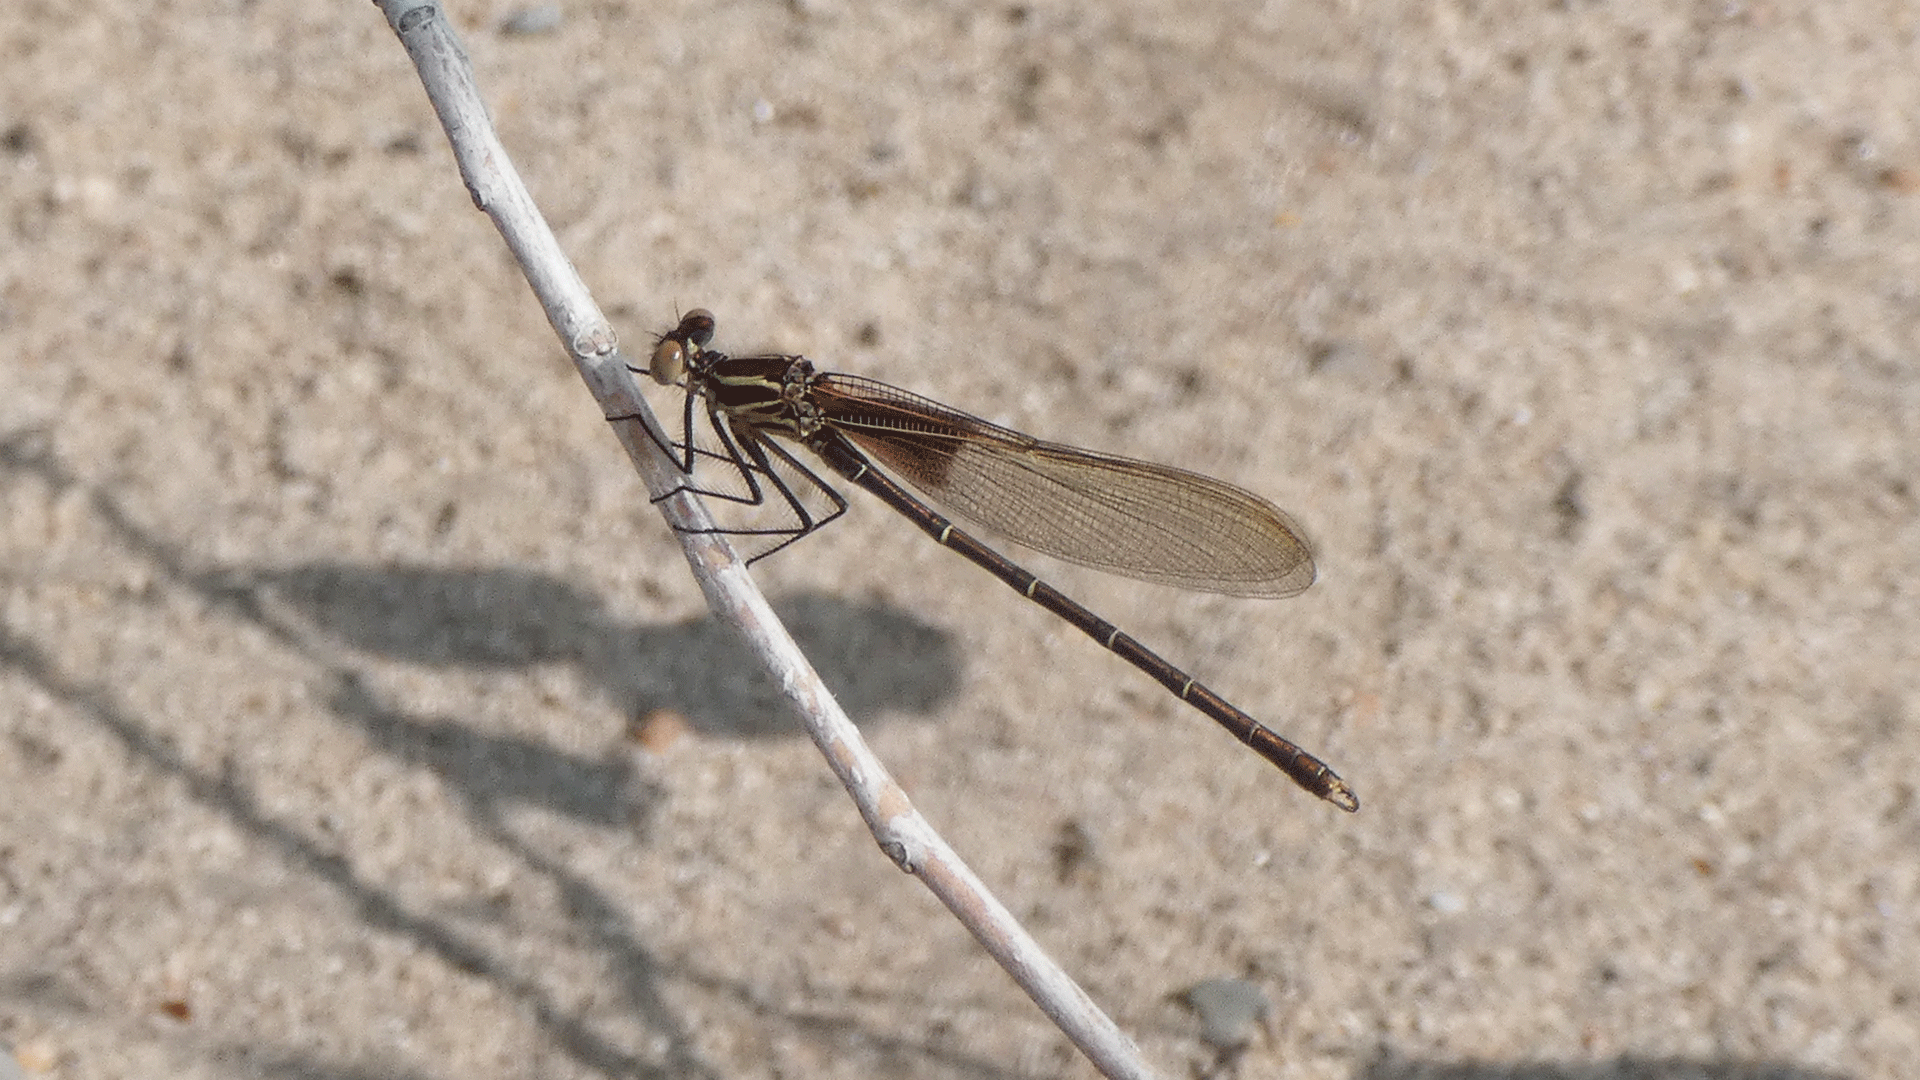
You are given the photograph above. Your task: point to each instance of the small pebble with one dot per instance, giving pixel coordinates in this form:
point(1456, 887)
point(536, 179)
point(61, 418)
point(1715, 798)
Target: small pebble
point(528, 21)
point(660, 730)
point(1228, 1010)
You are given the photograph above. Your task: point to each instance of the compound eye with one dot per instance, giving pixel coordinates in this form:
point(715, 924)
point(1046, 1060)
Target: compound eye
point(669, 362)
point(696, 326)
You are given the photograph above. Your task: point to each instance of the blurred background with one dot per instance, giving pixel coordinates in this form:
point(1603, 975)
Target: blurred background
point(358, 717)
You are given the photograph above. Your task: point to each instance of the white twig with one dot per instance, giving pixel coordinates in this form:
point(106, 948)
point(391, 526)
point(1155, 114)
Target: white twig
point(902, 833)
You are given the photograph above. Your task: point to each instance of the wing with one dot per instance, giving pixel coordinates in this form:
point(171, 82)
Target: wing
point(1134, 518)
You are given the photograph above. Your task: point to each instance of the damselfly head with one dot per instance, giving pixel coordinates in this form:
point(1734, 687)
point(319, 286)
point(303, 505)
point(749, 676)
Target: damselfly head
point(669, 361)
point(695, 326)
point(680, 347)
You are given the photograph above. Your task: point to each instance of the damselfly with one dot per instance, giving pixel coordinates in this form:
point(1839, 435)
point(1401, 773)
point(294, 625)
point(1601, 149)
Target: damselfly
point(1127, 517)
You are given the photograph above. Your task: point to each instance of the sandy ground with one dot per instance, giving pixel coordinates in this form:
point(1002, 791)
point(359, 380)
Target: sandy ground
point(1581, 336)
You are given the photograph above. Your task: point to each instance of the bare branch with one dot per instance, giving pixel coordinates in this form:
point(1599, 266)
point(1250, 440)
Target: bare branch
point(902, 833)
